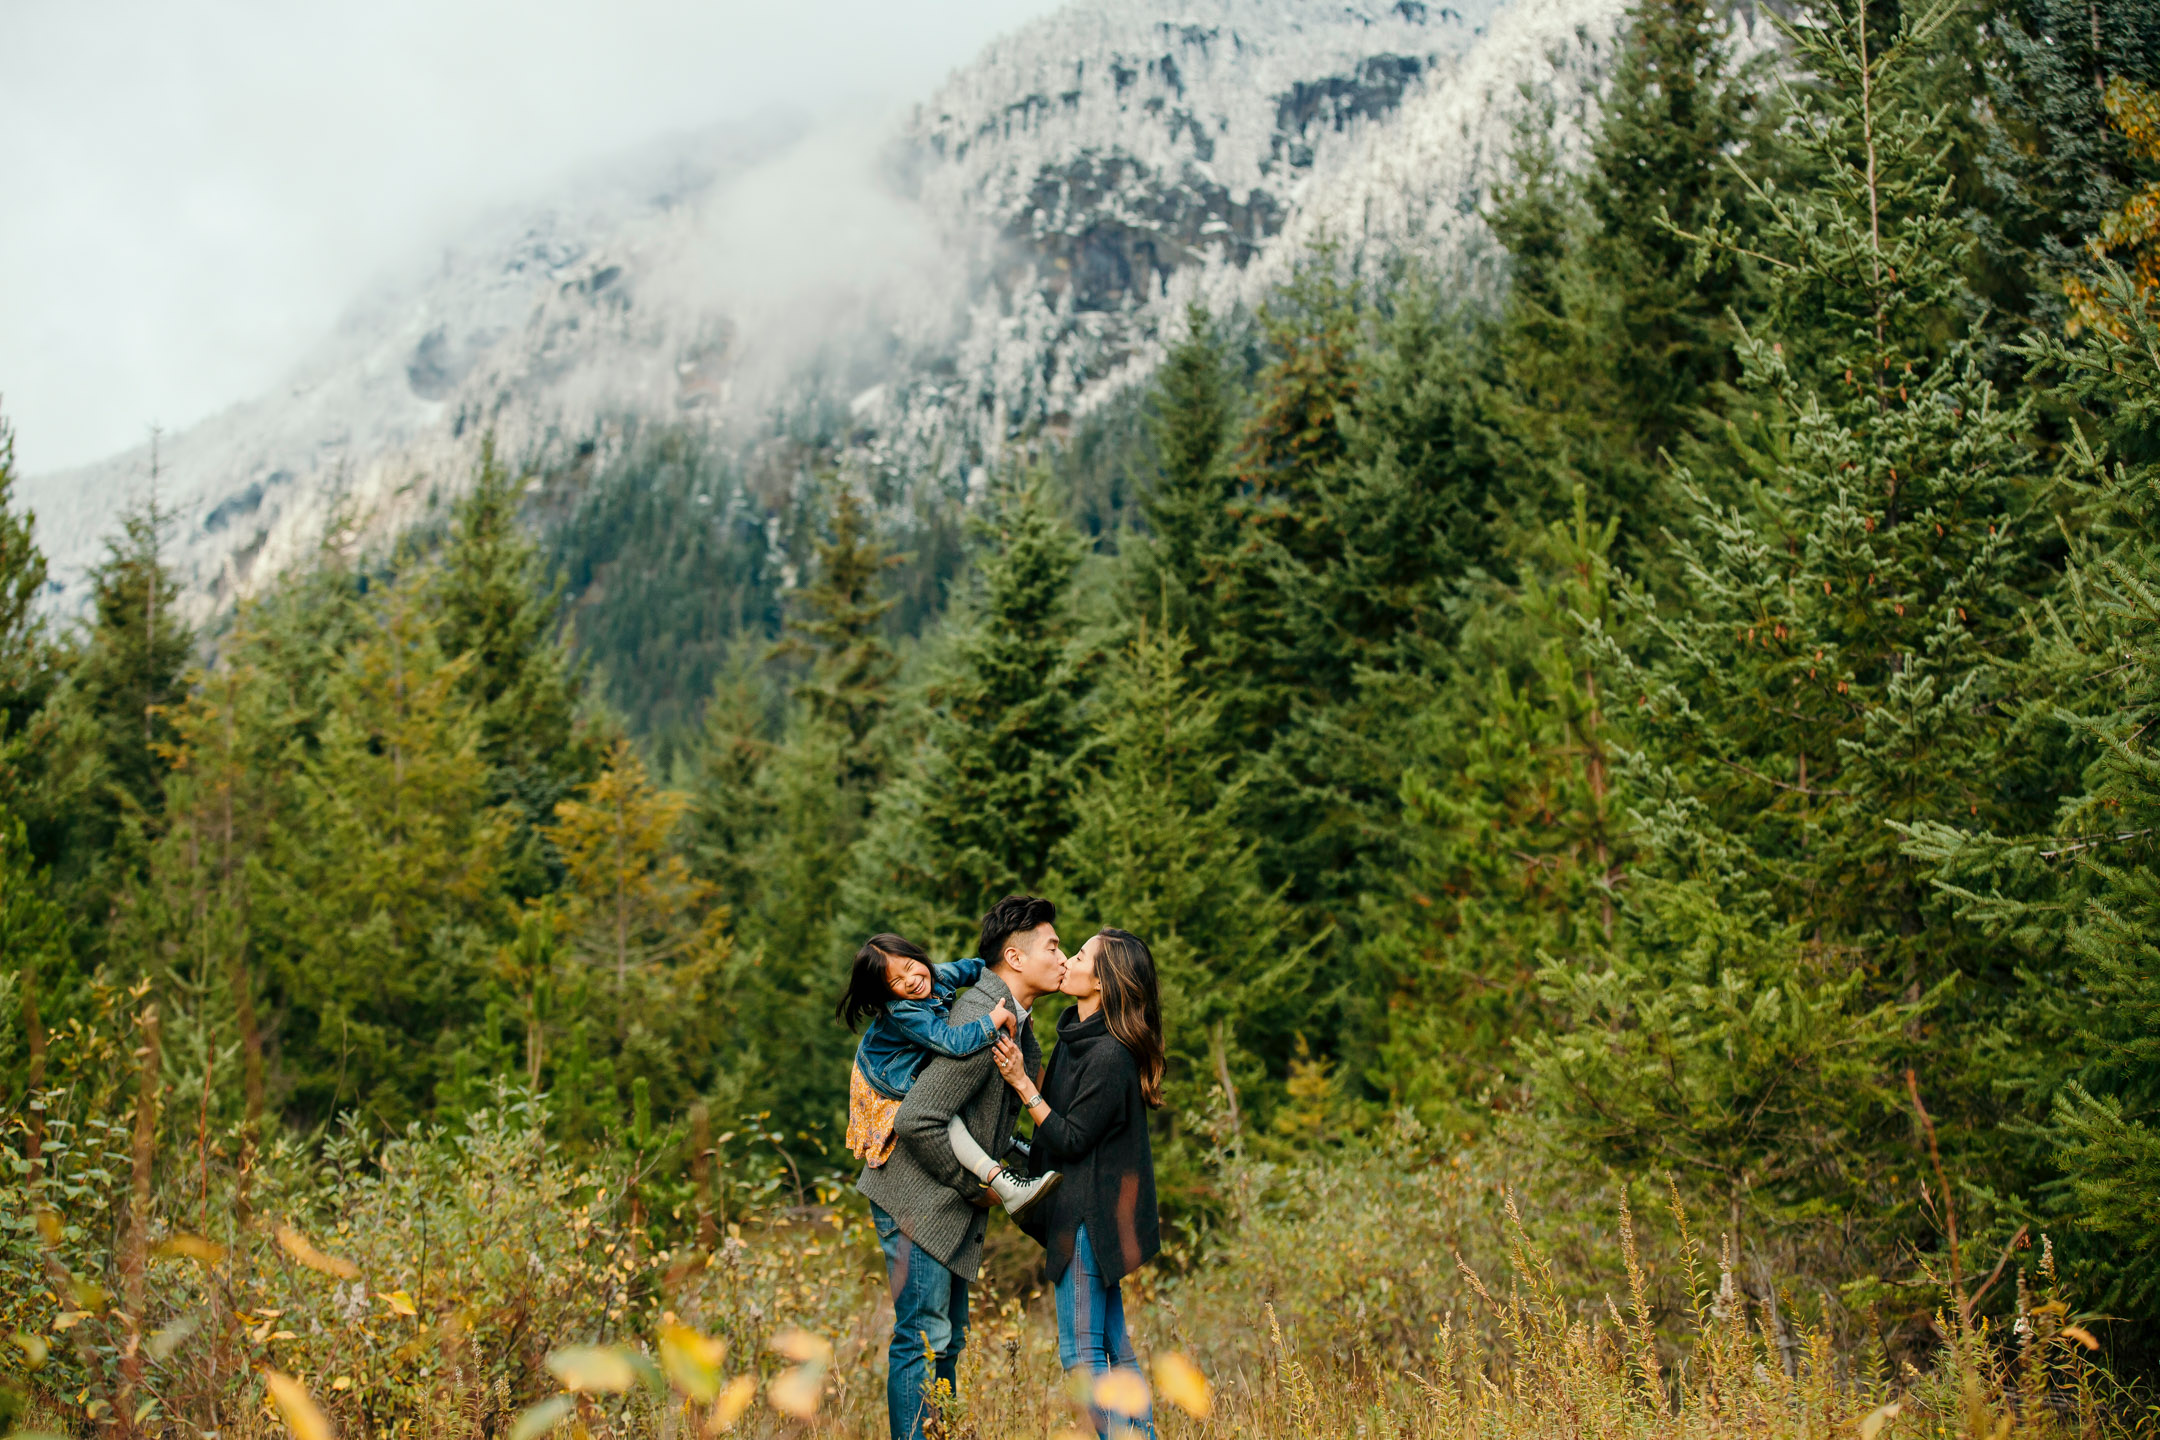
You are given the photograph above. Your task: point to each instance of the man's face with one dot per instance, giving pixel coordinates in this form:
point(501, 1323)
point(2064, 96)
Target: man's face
point(1037, 958)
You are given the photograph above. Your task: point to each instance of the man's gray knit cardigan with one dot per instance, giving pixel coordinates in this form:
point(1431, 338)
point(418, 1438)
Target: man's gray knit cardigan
point(922, 1186)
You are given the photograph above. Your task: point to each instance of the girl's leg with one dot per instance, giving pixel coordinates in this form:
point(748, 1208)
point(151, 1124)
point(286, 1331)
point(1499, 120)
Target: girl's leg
point(1019, 1195)
point(972, 1157)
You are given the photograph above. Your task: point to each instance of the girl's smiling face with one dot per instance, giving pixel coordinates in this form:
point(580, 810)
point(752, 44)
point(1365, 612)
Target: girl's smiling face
point(907, 979)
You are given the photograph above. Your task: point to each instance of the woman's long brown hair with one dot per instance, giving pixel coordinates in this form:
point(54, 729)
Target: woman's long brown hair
point(1132, 1005)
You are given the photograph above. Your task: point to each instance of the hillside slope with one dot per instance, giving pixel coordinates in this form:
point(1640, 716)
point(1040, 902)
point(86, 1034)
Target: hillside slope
point(916, 296)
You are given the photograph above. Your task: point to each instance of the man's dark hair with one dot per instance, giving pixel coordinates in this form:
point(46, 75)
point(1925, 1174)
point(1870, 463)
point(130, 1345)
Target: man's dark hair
point(1011, 914)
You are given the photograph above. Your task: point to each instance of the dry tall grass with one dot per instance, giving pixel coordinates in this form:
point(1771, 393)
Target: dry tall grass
point(483, 1284)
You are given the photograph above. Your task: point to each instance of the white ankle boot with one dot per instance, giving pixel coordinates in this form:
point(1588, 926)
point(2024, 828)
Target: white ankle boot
point(1020, 1195)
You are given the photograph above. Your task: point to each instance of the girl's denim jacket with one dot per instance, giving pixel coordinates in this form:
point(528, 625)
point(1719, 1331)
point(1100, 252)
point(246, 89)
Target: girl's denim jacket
point(908, 1034)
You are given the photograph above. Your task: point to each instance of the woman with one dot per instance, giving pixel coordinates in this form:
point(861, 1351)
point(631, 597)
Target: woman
point(1091, 1122)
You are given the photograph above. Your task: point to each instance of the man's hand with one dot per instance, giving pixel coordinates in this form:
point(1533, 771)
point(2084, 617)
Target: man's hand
point(1004, 1019)
point(982, 1199)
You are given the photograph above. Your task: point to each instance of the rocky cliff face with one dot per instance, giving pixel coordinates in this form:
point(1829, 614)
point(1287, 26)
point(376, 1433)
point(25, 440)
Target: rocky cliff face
point(1108, 165)
point(917, 299)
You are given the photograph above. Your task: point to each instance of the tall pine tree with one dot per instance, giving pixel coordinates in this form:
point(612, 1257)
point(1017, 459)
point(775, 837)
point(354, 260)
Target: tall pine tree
point(34, 938)
point(976, 810)
point(190, 922)
point(1187, 507)
point(1511, 832)
point(1404, 529)
point(495, 607)
point(391, 877)
point(1835, 665)
point(49, 753)
point(839, 628)
point(26, 661)
point(2077, 896)
point(1157, 847)
point(1292, 443)
point(1613, 346)
point(138, 648)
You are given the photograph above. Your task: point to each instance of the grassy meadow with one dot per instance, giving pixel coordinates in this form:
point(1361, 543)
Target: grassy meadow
point(483, 1283)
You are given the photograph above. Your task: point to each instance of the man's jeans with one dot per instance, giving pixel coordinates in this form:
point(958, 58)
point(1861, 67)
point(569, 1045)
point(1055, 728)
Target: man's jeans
point(930, 1316)
point(1091, 1332)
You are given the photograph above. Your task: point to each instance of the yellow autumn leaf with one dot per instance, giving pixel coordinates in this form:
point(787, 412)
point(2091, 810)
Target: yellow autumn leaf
point(1872, 1423)
point(692, 1361)
point(34, 1347)
point(194, 1247)
point(298, 1246)
point(592, 1369)
point(1182, 1384)
point(165, 1341)
point(802, 1346)
point(1121, 1392)
point(536, 1420)
point(2080, 1334)
point(296, 1408)
point(398, 1301)
point(797, 1391)
point(732, 1402)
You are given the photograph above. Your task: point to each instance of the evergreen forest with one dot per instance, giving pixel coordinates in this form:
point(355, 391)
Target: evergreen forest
point(1655, 761)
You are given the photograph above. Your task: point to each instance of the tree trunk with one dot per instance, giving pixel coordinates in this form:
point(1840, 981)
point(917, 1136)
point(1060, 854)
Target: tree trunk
point(243, 987)
point(35, 1029)
point(134, 1257)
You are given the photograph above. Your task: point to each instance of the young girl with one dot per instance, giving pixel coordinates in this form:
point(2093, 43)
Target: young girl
point(893, 980)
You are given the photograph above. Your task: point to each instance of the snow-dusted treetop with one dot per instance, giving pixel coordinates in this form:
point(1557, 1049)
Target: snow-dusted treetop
point(1244, 89)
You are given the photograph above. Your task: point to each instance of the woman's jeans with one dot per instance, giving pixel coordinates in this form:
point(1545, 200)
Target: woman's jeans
point(1091, 1332)
point(930, 1319)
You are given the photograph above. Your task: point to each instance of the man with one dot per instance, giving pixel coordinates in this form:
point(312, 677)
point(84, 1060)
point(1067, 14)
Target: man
point(930, 1212)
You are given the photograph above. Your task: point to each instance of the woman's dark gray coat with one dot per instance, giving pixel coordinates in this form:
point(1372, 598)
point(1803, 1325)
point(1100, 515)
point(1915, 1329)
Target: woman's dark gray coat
point(1097, 1134)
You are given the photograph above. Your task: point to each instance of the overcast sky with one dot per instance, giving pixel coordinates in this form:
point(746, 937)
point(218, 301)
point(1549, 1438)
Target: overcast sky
point(191, 191)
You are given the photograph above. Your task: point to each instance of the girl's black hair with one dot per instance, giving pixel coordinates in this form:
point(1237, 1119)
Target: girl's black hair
point(867, 990)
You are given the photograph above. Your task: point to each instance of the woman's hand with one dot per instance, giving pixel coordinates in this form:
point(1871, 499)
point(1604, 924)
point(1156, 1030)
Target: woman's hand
point(1012, 1065)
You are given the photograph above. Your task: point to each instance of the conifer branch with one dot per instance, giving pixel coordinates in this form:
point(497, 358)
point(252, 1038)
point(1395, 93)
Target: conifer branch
point(2072, 848)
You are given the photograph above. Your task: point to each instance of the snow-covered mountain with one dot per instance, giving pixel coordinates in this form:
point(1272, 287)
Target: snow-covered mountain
point(1008, 256)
